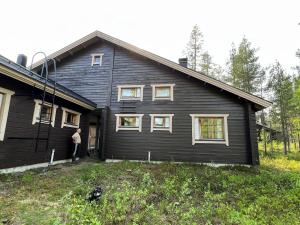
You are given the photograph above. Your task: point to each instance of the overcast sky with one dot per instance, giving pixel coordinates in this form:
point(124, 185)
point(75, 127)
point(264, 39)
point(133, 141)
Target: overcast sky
point(162, 27)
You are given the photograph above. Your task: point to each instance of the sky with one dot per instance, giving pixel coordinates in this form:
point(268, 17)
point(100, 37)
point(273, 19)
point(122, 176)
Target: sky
point(162, 27)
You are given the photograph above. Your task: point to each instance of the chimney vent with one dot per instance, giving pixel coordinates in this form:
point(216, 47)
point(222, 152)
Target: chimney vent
point(183, 62)
point(22, 60)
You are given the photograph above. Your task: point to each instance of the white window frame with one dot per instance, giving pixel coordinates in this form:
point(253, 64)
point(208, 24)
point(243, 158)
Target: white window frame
point(120, 87)
point(4, 110)
point(170, 116)
point(36, 112)
point(171, 86)
point(129, 128)
point(94, 61)
point(65, 111)
point(225, 116)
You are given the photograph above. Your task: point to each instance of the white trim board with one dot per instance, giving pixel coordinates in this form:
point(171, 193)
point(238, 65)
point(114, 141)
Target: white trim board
point(5, 110)
point(174, 162)
point(19, 169)
point(37, 112)
point(223, 86)
point(94, 61)
point(139, 128)
point(120, 87)
point(170, 128)
point(171, 97)
point(196, 116)
point(66, 110)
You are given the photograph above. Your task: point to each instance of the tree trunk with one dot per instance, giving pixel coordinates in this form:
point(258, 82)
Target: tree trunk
point(284, 137)
point(265, 141)
point(288, 141)
point(271, 138)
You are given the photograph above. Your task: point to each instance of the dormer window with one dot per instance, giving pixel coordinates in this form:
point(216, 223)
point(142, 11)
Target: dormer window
point(97, 59)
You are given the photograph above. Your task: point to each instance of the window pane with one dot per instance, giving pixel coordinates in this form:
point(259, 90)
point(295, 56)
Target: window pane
point(45, 112)
point(210, 128)
point(131, 92)
point(162, 92)
point(161, 122)
point(129, 121)
point(71, 118)
point(167, 122)
point(97, 60)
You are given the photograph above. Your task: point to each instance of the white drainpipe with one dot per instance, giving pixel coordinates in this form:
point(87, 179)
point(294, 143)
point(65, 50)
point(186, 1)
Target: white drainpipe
point(52, 156)
point(149, 157)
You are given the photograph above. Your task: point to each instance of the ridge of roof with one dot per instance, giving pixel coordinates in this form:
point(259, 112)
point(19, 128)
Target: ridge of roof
point(250, 97)
point(34, 76)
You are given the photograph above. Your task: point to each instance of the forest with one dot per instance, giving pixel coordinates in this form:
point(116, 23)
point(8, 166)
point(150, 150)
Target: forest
point(279, 125)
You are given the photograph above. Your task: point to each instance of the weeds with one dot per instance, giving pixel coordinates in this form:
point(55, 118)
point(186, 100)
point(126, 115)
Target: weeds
point(155, 194)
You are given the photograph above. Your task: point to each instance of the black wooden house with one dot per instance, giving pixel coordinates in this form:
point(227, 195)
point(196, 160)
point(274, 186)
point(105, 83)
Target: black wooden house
point(145, 107)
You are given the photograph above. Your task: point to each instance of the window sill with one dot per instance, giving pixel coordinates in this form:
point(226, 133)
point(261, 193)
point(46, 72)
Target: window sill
point(128, 128)
point(161, 129)
point(162, 99)
point(130, 100)
point(43, 122)
point(71, 126)
point(211, 142)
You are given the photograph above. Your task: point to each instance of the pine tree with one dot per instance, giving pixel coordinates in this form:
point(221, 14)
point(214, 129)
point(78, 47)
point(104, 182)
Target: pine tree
point(280, 85)
point(206, 64)
point(194, 49)
point(244, 68)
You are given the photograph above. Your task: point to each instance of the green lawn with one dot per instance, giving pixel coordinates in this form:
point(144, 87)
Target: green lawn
point(136, 193)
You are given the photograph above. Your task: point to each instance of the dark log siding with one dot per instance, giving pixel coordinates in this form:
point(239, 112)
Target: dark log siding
point(191, 96)
point(17, 149)
point(91, 82)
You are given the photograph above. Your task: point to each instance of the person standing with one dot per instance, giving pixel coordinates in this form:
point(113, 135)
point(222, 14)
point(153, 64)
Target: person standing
point(77, 141)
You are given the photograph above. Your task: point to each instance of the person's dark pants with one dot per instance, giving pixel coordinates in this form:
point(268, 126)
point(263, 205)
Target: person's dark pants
point(75, 151)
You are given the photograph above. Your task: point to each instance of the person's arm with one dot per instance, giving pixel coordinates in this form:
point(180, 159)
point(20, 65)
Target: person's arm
point(74, 136)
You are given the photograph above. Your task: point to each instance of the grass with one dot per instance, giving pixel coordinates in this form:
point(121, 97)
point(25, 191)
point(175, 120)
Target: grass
point(136, 193)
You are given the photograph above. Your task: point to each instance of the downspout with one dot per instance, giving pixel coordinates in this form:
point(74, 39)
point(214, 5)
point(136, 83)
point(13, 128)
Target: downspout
point(105, 111)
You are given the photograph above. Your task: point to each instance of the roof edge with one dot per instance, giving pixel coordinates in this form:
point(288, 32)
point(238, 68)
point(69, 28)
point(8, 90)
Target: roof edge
point(17, 75)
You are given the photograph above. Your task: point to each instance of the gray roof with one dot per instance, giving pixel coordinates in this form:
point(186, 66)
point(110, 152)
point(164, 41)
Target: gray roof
point(36, 77)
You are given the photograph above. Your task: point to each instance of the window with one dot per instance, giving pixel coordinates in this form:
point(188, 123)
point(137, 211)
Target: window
point(130, 92)
point(161, 122)
point(162, 92)
point(5, 97)
point(70, 118)
point(45, 113)
point(129, 122)
point(210, 128)
point(97, 59)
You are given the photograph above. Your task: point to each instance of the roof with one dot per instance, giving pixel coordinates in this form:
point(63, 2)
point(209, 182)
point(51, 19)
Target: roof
point(93, 37)
point(18, 72)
